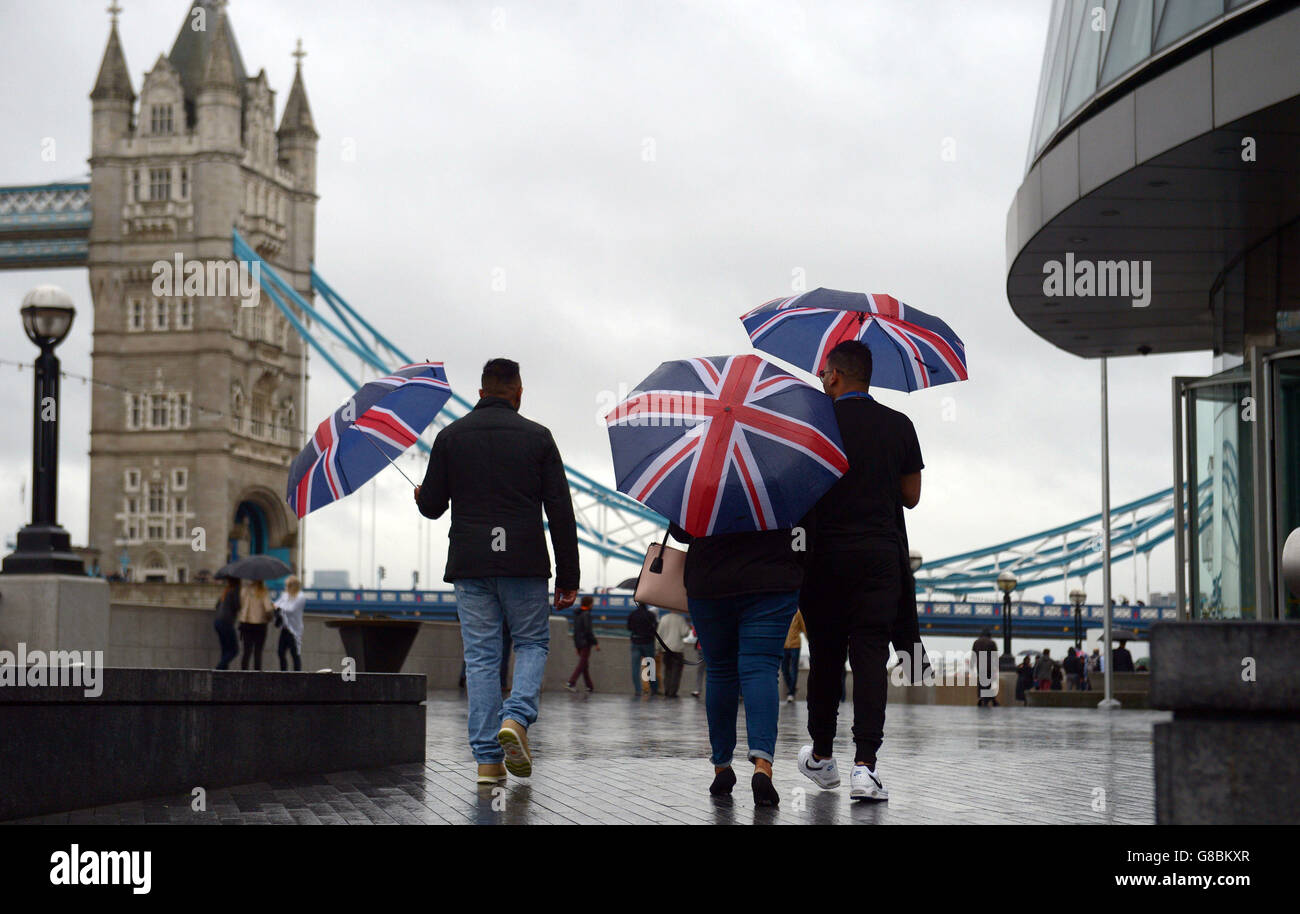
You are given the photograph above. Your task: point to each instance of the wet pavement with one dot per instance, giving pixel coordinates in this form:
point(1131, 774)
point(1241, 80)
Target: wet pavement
point(617, 759)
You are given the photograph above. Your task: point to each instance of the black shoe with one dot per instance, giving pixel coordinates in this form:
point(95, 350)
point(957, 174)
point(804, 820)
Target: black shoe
point(723, 781)
point(764, 793)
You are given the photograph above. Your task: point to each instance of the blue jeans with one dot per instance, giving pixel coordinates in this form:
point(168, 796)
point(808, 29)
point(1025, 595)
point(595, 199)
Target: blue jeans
point(640, 651)
point(483, 604)
point(743, 639)
point(790, 669)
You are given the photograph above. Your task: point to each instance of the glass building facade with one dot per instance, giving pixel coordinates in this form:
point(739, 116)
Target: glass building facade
point(1093, 46)
point(1167, 133)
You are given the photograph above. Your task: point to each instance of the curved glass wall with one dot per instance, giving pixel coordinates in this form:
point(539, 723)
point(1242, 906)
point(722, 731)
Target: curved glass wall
point(1091, 44)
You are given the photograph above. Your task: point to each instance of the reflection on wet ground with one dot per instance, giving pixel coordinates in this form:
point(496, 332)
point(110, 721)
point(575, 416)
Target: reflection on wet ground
point(615, 759)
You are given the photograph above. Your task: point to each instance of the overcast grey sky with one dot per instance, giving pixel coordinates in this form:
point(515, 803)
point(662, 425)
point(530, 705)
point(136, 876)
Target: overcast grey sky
point(509, 140)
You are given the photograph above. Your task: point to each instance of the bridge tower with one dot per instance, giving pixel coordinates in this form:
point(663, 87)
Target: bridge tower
point(190, 443)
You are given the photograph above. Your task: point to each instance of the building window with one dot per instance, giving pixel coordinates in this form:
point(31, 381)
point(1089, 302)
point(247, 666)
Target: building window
point(180, 478)
point(185, 183)
point(160, 183)
point(135, 185)
point(132, 480)
point(157, 498)
point(159, 314)
point(135, 314)
point(180, 569)
point(133, 506)
point(237, 410)
point(184, 314)
point(182, 401)
point(158, 411)
point(134, 416)
point(155, 533)
point(160, 119)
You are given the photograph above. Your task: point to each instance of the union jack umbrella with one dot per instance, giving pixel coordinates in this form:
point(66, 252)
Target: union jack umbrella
point(361, 437)
point(726, 444)
point(909, 348)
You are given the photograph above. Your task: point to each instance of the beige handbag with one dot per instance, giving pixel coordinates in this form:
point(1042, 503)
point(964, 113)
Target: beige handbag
point(662, 582)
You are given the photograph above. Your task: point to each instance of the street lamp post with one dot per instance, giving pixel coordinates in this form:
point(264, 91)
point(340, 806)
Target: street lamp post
point(1078, 598)
point(1006, 584)
point(43, 546)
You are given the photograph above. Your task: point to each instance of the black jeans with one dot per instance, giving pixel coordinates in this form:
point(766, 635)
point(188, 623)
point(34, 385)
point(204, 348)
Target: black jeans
point(229, 642)
point(288, 644)
point(673, 665)
point(254, 637)
point(849, 601)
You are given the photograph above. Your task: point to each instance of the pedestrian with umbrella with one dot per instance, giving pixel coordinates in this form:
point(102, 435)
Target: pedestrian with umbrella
point(883, 342)
point(255, 607)
point(498, 472)
point(734, 451)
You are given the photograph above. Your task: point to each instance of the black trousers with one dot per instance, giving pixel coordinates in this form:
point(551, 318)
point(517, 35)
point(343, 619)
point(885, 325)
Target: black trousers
point(673, 665)
point(254, 637)
point(849, 601)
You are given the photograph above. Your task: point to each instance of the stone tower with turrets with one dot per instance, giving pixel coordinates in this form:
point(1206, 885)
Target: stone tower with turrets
point(198, 407)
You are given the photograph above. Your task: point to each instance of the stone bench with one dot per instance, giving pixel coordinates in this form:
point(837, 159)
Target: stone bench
point(153, 732)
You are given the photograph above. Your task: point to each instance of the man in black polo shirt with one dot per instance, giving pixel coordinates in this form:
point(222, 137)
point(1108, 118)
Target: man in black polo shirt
point(854, 582)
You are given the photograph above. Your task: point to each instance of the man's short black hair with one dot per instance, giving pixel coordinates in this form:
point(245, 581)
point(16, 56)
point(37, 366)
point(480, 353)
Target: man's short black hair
point(500, 377)
point(853, 359)
point(586, 601)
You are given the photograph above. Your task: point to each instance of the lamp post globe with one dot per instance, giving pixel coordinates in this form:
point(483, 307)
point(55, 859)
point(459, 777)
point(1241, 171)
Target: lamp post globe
point(1006, 583)
point(914, 558)
point(43, 547)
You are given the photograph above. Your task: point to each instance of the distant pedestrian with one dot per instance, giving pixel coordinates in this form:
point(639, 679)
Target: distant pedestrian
point(224, 623)
point(985, 655)
point(254, 615)
point(1122, 659)
point(1057, 677)
point(289, 609)
point(1073, 665)
point(1043, 670)
point(584, 641)
point(498, 471)
point(673, 632)
point(1024, 678)
point(790, 661)
point(1094, 662)
point(642, 624)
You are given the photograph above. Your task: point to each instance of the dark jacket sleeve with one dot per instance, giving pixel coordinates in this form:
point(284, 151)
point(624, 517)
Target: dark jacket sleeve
point(435, 494)
point(559, 516)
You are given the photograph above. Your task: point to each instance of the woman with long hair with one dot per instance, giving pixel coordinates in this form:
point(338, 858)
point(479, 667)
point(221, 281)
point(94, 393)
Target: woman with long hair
point(254, 613)
point(289, 609)
point(224, 623)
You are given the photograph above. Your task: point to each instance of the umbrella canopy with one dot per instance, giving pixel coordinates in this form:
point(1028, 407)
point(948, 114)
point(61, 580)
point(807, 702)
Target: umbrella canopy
point(1124, 634)
point(910, 349)
point(377, 423)
point(255, 568)
point(726, 444)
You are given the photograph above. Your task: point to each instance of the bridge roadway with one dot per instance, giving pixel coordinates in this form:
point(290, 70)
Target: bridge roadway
point(611, 609)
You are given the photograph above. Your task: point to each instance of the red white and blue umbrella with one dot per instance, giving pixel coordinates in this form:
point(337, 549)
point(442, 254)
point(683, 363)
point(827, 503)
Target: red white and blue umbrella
point(910, 349)
point(726, 444)
point(361, 437)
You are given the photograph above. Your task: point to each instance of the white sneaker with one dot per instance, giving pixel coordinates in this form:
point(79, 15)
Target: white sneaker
point(864, 784)
point(789, 699)
point(822, 773)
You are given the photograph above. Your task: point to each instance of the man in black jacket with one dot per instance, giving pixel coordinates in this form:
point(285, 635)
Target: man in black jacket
point(643, 625)
point(498, 471)
point(854, 587)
